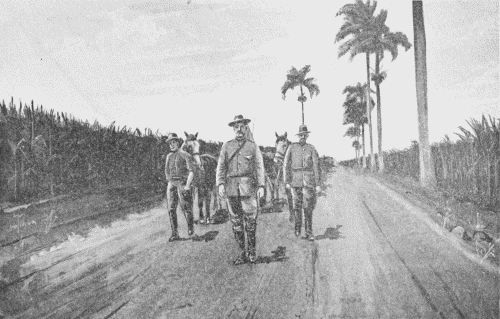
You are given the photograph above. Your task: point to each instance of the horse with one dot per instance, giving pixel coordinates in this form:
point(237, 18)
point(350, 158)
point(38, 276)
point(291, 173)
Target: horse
point(204, 179)
point(274, 169)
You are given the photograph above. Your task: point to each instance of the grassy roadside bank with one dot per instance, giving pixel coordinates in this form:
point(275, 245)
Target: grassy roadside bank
point(479, 229)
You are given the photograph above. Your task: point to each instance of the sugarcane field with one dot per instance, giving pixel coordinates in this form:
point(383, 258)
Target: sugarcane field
point(236, 159)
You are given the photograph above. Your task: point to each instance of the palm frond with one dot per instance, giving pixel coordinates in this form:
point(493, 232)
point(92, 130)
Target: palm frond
point(312, 87)
point(288, 85)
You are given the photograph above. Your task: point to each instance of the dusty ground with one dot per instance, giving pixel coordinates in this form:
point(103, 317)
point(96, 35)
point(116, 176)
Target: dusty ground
point(376, 255)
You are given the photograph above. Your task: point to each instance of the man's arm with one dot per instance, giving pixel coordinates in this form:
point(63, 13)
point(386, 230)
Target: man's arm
point(220, 175)
point(190, 167)
point(317, 172)
point(259, 167)
point(167, 172)
point(287, 166)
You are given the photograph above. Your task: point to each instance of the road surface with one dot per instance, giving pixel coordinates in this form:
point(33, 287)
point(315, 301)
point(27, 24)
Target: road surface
point(375, 256)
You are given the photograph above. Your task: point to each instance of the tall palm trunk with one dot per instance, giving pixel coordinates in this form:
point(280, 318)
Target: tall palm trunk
point(427, 174)
point(379, 116)
point(357, 146)
point(363, 159)
point(368, 111)
point(302, 94)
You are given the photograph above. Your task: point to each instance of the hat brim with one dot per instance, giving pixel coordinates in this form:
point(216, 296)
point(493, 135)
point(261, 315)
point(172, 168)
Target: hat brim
point(306, 132)
point(178, 139)
point(244, 121)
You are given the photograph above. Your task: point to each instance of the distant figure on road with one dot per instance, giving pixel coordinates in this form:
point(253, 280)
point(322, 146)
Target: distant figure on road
point(240, 171)
point(302, 176)
point(179, 172)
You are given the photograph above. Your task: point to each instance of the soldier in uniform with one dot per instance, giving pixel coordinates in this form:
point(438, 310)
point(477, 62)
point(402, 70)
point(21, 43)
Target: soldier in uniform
point(179, 172)
point(240, 171)
point(302, 176)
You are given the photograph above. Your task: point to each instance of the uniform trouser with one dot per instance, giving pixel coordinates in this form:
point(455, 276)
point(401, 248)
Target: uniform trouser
point(244, 208)
point(176, 193)
point(303, 198)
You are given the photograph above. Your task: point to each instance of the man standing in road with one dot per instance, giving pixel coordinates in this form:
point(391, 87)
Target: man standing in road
point(179, 172)
point(240, 170)
point(302, 175)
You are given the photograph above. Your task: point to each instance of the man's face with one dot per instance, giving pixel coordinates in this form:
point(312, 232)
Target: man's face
point(174, 145)
point(303, 137)
point(240, 130)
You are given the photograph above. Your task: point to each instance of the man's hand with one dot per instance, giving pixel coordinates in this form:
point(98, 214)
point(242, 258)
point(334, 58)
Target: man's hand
point(187, 188)
point(318, 189)
point(287, 186)
point(260, 192)
point(222, 190)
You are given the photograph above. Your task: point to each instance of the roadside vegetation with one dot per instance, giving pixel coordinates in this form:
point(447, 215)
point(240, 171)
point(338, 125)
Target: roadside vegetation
point(460, 178)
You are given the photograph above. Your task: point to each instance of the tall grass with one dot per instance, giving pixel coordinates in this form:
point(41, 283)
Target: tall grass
point(468, 168)
point(51, 153)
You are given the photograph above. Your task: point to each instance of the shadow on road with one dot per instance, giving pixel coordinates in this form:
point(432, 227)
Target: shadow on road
point(278, 255)
point(330, 233)
point(220, 217)
point(208, 236)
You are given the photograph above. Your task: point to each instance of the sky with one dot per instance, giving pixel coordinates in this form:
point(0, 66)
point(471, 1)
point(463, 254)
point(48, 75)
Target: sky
point(176, 66)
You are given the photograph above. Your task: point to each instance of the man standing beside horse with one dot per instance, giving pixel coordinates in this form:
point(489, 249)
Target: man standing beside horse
point(179, 172)
point(240, 172)
point(302, 176)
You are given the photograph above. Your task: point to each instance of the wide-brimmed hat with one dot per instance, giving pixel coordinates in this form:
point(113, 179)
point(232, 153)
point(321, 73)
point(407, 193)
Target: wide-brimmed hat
point(238, 119)
point(303, 130)
point(173, 136)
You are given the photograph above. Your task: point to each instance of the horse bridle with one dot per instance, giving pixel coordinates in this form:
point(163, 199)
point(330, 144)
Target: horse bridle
point(281, 156)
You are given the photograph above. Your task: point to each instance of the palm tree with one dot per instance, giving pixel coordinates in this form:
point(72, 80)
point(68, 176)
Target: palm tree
point(358, 23)
point(427, 174)
point(355, 106)
point(354, 132)
point(298, 78)
point(383, 40)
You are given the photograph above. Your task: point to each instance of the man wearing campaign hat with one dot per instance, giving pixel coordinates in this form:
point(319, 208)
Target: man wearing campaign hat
point(179, 172)
point(302, 176)
point(240, 174)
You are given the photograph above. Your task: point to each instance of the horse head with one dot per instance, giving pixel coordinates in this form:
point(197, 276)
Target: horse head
point(282, 144)
point(192, 146)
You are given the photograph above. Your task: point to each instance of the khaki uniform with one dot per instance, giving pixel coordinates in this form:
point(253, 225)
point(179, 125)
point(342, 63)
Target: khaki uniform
point(301, 171)
point(241, 176)
point(177, 167)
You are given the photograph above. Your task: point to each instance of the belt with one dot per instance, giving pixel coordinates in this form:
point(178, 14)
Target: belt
point(240, 175)
point(179, 178)
point(302, 169)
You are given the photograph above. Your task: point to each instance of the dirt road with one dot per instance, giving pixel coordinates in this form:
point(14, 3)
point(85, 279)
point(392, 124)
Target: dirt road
point(375, 256)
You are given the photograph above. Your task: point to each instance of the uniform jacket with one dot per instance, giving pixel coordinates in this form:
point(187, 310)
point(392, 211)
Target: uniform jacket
point(245, 172)
point(178, 165)
point(301, 166)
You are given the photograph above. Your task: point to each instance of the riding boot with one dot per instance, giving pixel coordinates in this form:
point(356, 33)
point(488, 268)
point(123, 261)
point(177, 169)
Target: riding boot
point(207, 208)
point(290, 205)
point(173, 224)
point(239, 235)
point(251, 236)
point(240, 239)
point(190, 222)
point(200, 209)
point(308, 224)
point(298, 221)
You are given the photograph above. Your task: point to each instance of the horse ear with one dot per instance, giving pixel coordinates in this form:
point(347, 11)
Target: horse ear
point(186, 133)
point(196, 135)
point(285, 134)
point(277, 136)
